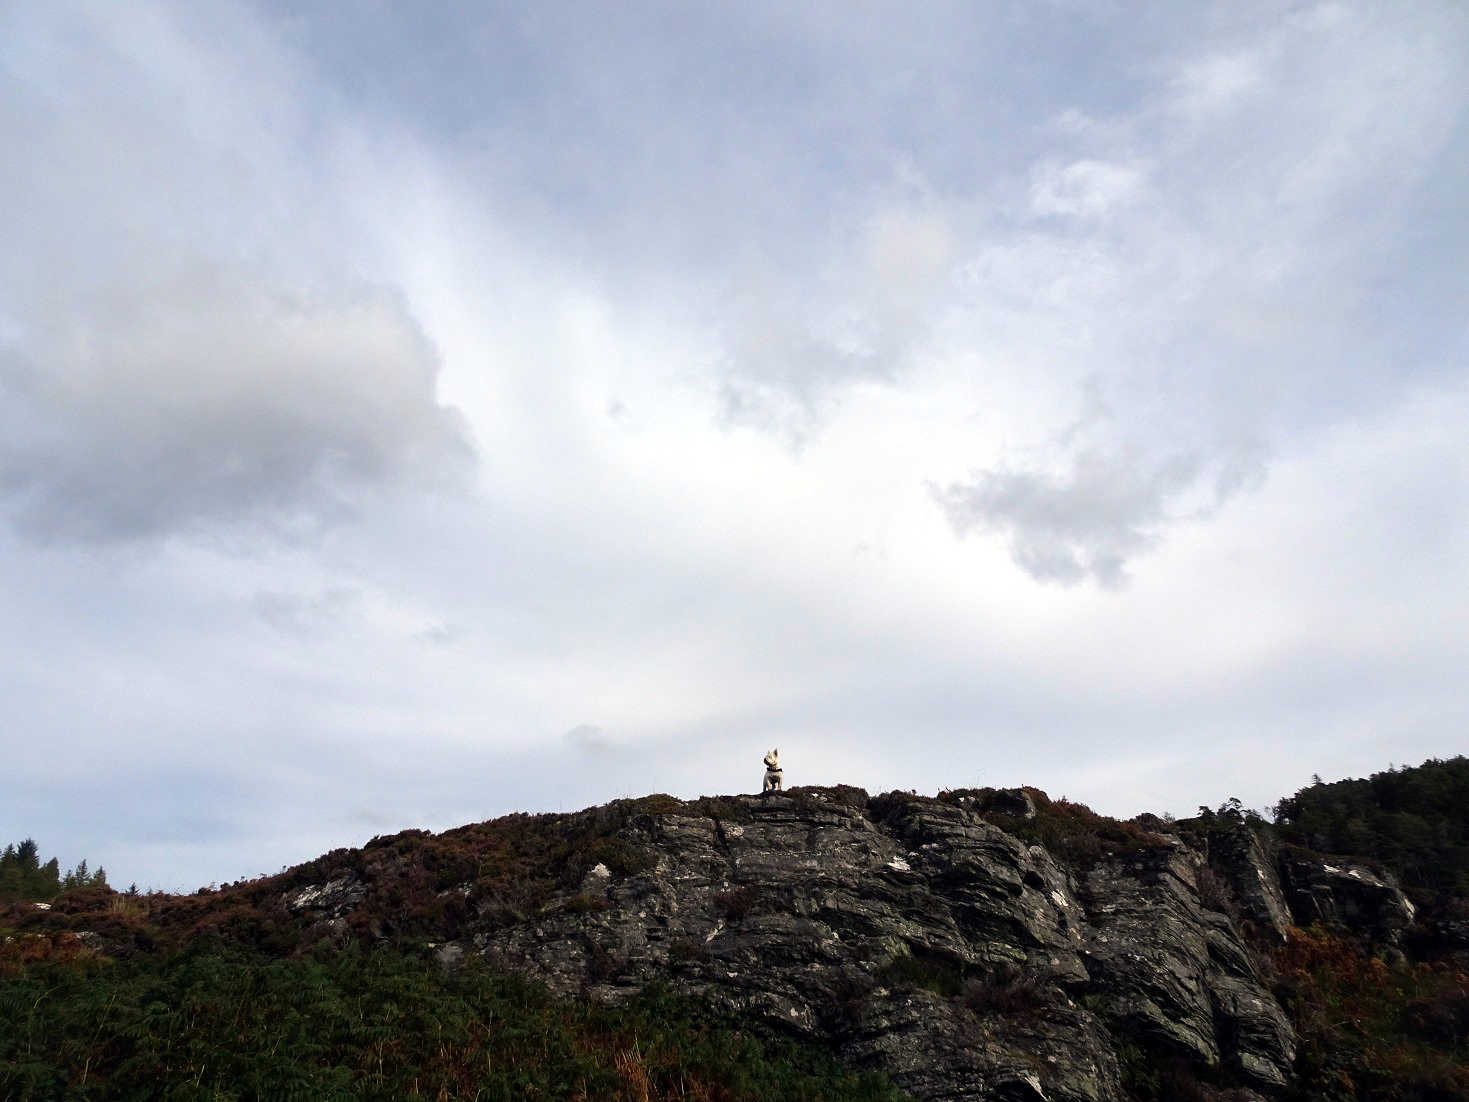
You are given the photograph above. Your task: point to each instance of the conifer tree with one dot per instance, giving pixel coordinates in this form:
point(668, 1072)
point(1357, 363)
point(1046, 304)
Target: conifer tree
point(48, 879)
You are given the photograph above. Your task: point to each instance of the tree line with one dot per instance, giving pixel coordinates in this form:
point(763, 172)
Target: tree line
point(1413, 819)
point(24, 878)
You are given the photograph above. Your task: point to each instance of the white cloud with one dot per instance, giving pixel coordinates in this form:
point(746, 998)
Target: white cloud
point(1084, 188)
point(1215, 83)
point(1086, 521)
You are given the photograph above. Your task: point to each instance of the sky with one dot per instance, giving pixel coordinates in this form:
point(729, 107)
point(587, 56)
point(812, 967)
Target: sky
point(413, 414)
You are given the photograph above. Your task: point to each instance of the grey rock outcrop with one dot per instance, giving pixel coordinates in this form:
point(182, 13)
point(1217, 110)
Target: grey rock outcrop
point(1001, 801)
point(326, 905)
point(911, 935)
point(1170, 970)
point(330, 900)
point(1346, 894)
point(934, 1050)
point(1237, 855)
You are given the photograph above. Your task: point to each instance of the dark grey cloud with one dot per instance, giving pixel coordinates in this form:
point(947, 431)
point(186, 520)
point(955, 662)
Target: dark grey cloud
point(1086, 521)
point(588, 738)
point(300, 616)
point(214, 398)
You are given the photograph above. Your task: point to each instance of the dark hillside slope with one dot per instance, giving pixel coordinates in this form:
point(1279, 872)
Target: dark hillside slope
point(976, 945)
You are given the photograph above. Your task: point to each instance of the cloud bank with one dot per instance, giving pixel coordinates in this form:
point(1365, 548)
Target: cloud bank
point(443, 413)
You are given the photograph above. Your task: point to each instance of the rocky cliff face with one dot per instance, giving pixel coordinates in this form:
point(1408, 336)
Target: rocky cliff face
point(913, 935)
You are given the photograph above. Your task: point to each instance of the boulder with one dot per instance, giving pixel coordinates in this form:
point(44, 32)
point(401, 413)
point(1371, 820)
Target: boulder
point(328, 901)
point(1015, 802)
point(1344, 894)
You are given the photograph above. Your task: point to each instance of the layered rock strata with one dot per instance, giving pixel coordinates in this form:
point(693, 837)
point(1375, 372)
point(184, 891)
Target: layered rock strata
point(913, 936)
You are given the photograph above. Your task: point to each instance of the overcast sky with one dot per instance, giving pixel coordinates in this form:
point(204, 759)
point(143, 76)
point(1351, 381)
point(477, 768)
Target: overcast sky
point(411, 414)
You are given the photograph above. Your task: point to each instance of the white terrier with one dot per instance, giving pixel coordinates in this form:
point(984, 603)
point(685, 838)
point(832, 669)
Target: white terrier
point(772, 772)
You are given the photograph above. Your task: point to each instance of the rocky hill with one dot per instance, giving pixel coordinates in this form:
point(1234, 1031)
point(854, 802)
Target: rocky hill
point(977, 945)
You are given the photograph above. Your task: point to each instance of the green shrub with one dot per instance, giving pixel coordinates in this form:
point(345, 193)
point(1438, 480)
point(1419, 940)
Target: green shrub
point(1077, 835)
point(218, 1022)
point(920, 971)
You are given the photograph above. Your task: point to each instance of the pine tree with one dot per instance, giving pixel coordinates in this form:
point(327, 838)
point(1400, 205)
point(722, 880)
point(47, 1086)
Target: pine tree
point(29, 858)
point(10, 878)
point(77, 877)
point(48, 879)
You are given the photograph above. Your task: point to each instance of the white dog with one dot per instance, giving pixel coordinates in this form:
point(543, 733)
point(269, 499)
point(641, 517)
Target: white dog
point(772, 772)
